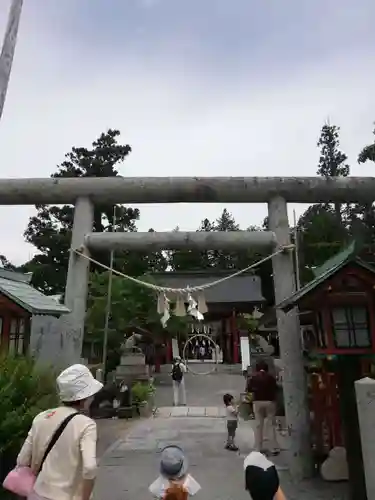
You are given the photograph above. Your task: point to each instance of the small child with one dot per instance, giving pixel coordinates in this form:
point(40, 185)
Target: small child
point(174, 481)
point(232, 421)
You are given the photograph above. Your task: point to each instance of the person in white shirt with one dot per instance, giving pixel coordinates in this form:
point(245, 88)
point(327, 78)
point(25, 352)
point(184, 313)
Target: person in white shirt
point(231, 414)
point(69, 470)
point(178, 382)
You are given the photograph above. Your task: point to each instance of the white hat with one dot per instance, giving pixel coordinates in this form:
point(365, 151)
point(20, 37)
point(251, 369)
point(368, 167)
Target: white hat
point(77, 383)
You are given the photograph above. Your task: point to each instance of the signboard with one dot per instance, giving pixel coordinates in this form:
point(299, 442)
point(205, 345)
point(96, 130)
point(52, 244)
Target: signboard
point(245, 352)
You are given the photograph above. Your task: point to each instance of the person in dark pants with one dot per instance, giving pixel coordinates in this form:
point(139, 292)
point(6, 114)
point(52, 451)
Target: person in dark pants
point(232, 421)
point(263, 386)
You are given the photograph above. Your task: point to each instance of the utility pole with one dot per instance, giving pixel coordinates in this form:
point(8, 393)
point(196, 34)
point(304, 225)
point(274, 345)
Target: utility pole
point(109, 300)
point(8, 49)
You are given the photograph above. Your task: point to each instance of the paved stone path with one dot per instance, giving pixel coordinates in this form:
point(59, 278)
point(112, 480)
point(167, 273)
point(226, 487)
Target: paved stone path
point(201, 390)
point(131, 464)
point(190, 411)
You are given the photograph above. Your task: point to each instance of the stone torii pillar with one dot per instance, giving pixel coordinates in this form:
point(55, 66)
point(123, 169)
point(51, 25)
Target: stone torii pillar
point(288, 326)
point(77, 280)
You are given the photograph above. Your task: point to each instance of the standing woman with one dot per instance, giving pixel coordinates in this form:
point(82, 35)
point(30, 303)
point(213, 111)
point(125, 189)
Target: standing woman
point(68, 471)
point(263, 387)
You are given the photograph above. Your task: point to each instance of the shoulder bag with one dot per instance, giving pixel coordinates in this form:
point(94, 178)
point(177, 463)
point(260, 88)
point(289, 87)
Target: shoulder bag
point(20, 480)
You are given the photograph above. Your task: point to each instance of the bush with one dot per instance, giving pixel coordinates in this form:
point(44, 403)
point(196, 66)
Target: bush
point(142, 392)
point(25, 390)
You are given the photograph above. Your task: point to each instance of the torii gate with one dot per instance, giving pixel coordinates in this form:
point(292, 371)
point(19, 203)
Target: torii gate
point(275, 191)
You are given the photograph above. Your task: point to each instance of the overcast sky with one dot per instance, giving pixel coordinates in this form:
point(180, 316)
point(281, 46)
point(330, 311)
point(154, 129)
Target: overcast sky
point(197, 87)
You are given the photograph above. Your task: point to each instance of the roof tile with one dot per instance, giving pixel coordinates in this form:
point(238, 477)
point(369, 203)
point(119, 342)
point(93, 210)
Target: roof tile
point(30, 299)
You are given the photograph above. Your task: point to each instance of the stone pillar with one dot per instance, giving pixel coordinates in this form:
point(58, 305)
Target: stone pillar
point(234, 334)
point(77, 279)
point(365, 394)
point(294, 376)
point(175, 348)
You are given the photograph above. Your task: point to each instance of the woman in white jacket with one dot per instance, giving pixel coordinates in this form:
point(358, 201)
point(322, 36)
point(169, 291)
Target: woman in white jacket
point(69, 470)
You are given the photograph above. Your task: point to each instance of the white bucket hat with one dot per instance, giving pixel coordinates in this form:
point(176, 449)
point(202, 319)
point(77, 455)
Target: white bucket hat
point(77, 383)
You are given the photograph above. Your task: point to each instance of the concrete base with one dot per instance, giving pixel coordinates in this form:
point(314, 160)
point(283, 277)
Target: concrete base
point(133, 359)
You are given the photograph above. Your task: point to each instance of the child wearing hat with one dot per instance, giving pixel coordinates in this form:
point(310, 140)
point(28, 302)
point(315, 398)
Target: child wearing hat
point(174, 482)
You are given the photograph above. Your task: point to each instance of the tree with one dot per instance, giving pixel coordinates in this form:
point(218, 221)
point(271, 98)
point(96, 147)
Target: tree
point(132, 306)
point(192, 260)
point(320, 238)
point(322, 232)
point(138, 263)
point(223, 260)
point(189, 260)
point(332, 161)
point(363, 214)
point(368, 152)
point(50, 230)
point(6, 264)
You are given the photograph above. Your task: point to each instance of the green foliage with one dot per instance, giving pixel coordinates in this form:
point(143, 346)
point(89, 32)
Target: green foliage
point(322, 229)
point(363, 215)
point(248, 322)
point(219, 260)
point(132, 306)
point(25, 390)
point(50, 230)
point(142, 392)
point(321, 236)
point(191, 260)
point(368, 152)
point(332, 161)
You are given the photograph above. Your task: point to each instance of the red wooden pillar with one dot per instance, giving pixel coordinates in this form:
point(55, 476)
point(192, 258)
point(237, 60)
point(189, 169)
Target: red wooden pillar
point(169, 355)
point(235, 340)
point(371, 312)
point(327, 326)
point(157, 360)
point(5, 334)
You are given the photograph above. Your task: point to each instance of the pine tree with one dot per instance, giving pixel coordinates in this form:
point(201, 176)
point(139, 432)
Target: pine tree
point(363, 214)
point(332, 161)
point(223, 259)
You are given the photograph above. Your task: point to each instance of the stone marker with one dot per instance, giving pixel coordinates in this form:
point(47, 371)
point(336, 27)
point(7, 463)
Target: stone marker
point(365, 393)
point(335, 467)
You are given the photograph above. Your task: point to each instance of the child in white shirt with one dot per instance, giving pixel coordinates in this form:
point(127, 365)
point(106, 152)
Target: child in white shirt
point(231, 411)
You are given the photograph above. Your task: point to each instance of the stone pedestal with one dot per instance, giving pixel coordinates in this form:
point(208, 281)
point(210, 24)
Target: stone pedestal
point(132, 367)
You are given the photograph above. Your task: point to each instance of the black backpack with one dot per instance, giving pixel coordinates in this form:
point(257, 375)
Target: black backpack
point(177, 372)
